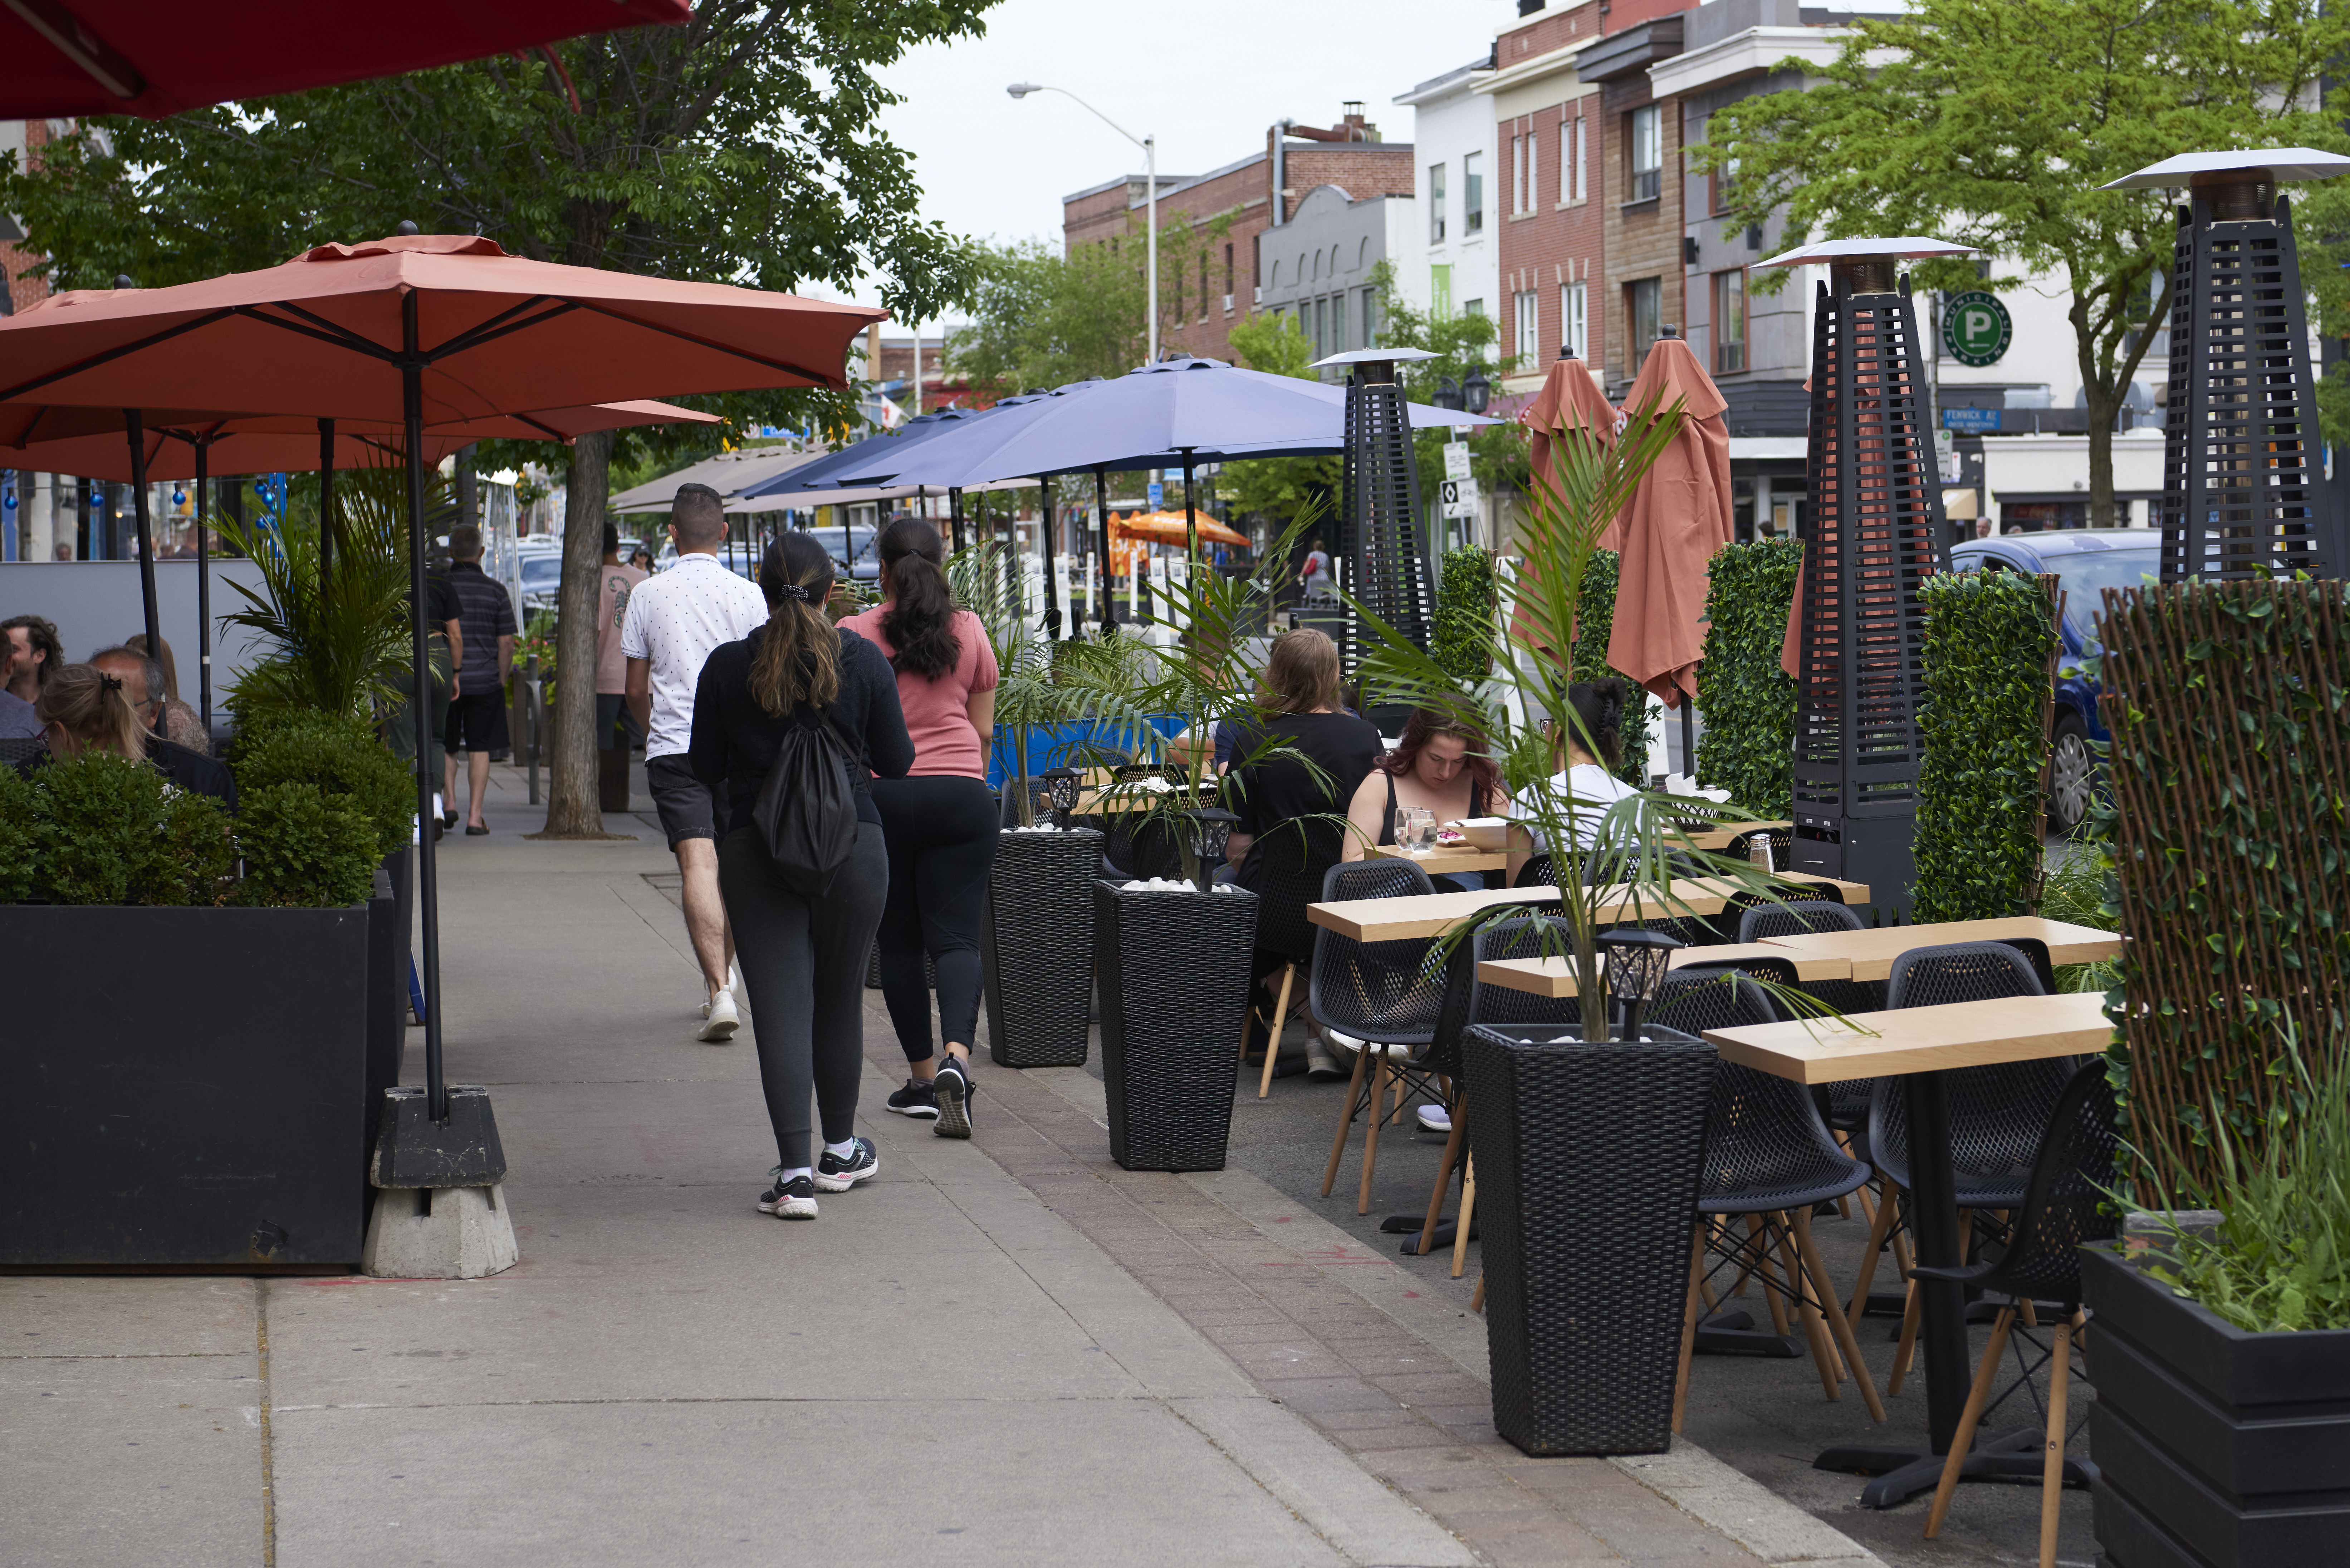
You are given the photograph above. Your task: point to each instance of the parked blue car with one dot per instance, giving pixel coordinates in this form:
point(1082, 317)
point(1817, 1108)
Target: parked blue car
point(2085, 561)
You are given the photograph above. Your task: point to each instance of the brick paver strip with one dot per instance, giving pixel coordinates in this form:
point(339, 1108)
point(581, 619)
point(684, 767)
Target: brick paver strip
point(1403, 1410)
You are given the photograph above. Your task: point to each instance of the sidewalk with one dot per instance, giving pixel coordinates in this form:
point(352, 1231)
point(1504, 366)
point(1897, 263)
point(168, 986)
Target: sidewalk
point(1004, 1351)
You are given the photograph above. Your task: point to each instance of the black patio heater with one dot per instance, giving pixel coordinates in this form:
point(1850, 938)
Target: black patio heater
point(2243, 469)
point(1382, 536)
point(1872, 534)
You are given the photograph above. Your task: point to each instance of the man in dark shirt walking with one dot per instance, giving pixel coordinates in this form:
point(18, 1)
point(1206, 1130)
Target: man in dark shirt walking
point(485, 618)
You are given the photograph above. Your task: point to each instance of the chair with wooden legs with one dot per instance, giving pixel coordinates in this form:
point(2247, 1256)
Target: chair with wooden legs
point(1769, 1157)
point(1291, 867)
point(2064, 1208)
point(1386, 994)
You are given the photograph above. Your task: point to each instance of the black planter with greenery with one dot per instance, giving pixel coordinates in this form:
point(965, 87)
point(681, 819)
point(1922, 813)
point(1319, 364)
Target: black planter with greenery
point(1173, 968)
point(1589, 1159)
point(189, 1087)
point(2216, 1448)
point(1036, 945)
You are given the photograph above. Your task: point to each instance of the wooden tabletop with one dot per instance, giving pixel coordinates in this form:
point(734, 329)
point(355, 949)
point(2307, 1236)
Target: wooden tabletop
point(1445, 858)
point(1722, 838)
point(1425, 915)
point(1554, 977)
point(1921, 1039)
point(1871, 953)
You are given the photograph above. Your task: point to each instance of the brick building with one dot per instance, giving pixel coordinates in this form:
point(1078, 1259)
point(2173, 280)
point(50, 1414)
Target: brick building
point(1209, 289)
point(21, 136)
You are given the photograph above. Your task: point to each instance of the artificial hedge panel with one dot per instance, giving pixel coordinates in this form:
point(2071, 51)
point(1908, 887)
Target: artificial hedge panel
point(1464, 639)
point(1990, 637)
point(1594, 620)
point(2229, 708)
point(1749, 703)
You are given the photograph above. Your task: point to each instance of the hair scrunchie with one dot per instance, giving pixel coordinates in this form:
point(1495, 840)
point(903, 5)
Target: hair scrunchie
point(793, 591)
point(111, 682)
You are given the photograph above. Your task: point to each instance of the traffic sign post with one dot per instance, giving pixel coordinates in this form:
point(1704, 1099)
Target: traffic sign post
point(1977, 328)
point(1460, 498)
point(1456, 460)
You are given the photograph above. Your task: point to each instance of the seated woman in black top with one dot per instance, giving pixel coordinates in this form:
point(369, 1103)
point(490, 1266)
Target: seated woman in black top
point(803, 958)
point(85, 710)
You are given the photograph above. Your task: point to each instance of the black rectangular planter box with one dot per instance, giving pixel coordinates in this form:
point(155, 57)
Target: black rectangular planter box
point(1588, 1160)
point(1173, 969)
point(1036, 947)
point(2215, 1448)
point(184, 1087)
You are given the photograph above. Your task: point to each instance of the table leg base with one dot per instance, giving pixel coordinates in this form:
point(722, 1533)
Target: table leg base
point(1734, 1333)
point(1901, 1474)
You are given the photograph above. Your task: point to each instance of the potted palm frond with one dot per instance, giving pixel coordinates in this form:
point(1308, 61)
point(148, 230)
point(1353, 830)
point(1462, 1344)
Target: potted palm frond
point(1605, 1117)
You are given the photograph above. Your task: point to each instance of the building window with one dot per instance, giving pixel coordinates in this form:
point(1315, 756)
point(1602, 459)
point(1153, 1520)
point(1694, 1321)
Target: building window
point(1517, 175)
point(1322, 326)
point(1474, 307)
point(1534, 169)
point(1645, 146)
point(1528, 313)
point(1439, 291)
point(1573, 318)
point(1472, 192)
point(1729, 321)
point(1436, 204)
point(1203, 286)
point(1723, 184)
point(1643, 304)
point(1370, 318)
point(1574, 169)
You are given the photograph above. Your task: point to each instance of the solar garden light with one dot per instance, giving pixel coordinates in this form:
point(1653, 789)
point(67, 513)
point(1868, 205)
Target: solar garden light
point(1206, 832)
point(1637, 961)
point(1061, 784)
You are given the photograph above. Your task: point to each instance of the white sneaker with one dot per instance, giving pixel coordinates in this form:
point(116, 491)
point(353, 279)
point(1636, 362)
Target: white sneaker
point(1435, 1118)
point(724, 1019)
point(741, 991)
point(1319, 1062)
point(1342, 1045)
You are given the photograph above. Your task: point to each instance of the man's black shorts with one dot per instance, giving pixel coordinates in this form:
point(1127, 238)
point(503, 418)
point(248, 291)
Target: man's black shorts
point(475, 720)
point(686, 808)
point(615, 725)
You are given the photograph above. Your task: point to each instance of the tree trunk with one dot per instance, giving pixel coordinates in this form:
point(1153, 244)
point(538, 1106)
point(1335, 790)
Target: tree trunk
point(2104, 408)
point(573, 802)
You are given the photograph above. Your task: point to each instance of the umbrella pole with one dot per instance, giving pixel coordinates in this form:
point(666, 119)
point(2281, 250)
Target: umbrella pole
point(427, 887)
point(1101, 519)
point(325, 514)
point(954, 517)
point(1047, 537)
point(1689, 741)
point(203, 588)
point(135, 428)
point(1191, 522)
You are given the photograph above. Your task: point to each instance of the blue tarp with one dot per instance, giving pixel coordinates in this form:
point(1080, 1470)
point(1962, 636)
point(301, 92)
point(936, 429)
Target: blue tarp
point(1051, 745)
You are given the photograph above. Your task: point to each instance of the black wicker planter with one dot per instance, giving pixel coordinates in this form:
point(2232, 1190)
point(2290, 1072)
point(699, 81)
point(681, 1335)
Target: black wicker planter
point(185, 1087)
point(1036, 945)
point(1174, 975)
point(2215, 1448)
point(1588, 1157)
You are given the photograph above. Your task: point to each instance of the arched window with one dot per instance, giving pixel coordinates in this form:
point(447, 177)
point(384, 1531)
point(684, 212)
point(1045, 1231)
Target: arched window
point(1363, 254)
point(1317, 267)
point(1276, 276)
point(1334, 261)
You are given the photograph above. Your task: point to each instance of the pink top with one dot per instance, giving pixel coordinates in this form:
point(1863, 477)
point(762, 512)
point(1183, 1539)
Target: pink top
point(938, 713)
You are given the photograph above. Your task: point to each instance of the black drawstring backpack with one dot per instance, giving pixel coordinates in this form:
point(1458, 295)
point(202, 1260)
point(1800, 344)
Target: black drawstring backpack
point(807, 811)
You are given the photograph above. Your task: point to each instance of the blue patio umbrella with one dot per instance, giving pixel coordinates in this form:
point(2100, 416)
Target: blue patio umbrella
point(837, 471)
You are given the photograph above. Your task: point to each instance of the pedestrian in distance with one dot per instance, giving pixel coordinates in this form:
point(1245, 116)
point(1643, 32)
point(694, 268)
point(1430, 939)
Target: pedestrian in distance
point(803, 952)
point(670, 625)
point(1313, 577)
point(614, 583)
point(941, 820)
point(485, 615)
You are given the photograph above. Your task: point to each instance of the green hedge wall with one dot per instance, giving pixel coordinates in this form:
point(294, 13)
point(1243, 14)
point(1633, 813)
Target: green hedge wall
point(1594, 619)
point(1984, 720)
point(1465, 615)
point(1748, 703)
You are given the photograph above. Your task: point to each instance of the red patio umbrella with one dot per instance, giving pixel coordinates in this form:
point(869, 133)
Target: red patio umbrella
point(1678, 516)
point(68, 59)
point(421, 330)
point(1569, 400)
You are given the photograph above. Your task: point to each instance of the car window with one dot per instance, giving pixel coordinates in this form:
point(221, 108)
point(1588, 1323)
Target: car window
point(2086, 574)
point(541, 571)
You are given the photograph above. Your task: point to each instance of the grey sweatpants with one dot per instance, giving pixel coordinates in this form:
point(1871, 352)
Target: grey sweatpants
point(804, 962)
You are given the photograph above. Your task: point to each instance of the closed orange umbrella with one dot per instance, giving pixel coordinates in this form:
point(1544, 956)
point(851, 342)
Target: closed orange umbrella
point(1569, 400)
point(1167, 528)
point(1678, 516)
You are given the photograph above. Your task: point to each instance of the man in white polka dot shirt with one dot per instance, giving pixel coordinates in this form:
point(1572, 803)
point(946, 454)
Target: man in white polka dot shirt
point(672, 622)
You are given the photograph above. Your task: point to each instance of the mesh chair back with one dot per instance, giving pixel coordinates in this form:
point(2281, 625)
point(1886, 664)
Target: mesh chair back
point(1783, 844)
point(1996, 1115)
point(1390, 992)
point(1959, 971)
point(1537, 872)
point(2065, 1204)
point(1764, 921)
point(1289, 876)
point(1517, 938)
point(17, 748)
point(2035, 954)
point(1694, 1000)
point(1766, 1148)
point(1143, 844)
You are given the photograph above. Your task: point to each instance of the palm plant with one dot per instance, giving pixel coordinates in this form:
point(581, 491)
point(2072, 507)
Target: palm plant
point(331, 645)
point(1642, 845)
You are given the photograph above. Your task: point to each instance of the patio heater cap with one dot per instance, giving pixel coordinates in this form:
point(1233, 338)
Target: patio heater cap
point(2241, 187)
point(1637, 961)
point(1061, 785)
point(1866, 266)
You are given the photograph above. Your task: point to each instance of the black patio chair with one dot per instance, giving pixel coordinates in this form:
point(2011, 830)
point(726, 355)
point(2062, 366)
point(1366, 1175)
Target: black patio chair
point(1388, 995)
point(2065, 1208)
point(1290, 869)
point(14, 749)
point(1847, 1101)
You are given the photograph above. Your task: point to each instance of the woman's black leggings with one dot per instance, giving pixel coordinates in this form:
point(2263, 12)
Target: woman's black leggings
point(941, 831)
point(804, 962)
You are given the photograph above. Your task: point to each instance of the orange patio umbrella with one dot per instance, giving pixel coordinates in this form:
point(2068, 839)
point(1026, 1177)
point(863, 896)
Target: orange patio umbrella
point(1678, 516)
point(417, 330)
point(1168, 528)
point(1569, 400)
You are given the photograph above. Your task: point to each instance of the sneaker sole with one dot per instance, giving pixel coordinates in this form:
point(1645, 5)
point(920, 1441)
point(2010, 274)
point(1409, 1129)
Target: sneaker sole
point(719, 1031)
point(918, 1112)
point(954, 1112)
point(791, 1208)
point(836, 1184)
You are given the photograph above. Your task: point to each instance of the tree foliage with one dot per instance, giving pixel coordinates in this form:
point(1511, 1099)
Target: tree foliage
point(1992, 123)
point(1497, 454)
point(1281, 488)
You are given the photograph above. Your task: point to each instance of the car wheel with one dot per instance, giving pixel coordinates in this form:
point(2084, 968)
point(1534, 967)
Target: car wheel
point(2072, 772)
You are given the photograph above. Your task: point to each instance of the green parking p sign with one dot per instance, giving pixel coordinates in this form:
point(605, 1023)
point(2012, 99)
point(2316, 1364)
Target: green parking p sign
point(1976, 327)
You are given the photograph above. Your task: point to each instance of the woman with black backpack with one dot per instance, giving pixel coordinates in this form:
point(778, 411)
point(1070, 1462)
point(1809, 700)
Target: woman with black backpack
point(803, 871)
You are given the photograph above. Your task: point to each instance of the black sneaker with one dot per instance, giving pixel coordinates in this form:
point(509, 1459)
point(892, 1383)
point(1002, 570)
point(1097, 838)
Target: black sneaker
point(915, 1099)
point(792, 1199)
point(834, 1174)
point(954, 1090)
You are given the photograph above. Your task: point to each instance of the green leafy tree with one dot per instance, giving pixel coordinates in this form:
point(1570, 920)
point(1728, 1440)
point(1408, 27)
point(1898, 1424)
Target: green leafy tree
point(1278, 488)
point(1498, 455)
point(1042, 319)
point(1992, 123)
point(743, 146)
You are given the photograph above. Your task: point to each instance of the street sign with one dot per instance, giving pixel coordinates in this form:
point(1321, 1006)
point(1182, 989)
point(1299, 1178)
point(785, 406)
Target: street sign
point(1946, 455)
point(1976, 327)
point(1460, 497)
point(1158, 496)
point(1972, 422)
point(1456, 460)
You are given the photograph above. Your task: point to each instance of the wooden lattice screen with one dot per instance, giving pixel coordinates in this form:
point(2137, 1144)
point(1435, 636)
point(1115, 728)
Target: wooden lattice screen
point(2230, 708)
point(2243, 471)
point(1874, 534)
point(1383, 532)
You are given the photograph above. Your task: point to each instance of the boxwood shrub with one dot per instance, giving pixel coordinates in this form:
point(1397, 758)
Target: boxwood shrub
point(1464, 645)
point(102, 829)
point(338, 756)
point(1990, 636)
point(1748, 700)
point(304, 847)
point(1594, 619)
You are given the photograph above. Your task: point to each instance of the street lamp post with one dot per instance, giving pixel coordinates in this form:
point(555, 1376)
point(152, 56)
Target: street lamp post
point(1150, 145)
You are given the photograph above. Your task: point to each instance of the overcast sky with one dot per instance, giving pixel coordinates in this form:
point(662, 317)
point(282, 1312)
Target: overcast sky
point(1205, 77)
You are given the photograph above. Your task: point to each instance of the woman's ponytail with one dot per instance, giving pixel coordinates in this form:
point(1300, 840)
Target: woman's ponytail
point(919, 619)
point(800, 658)
point(1599, 705)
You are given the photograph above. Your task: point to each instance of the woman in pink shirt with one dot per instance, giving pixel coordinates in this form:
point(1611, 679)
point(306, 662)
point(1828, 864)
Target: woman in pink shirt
point(939, 820)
